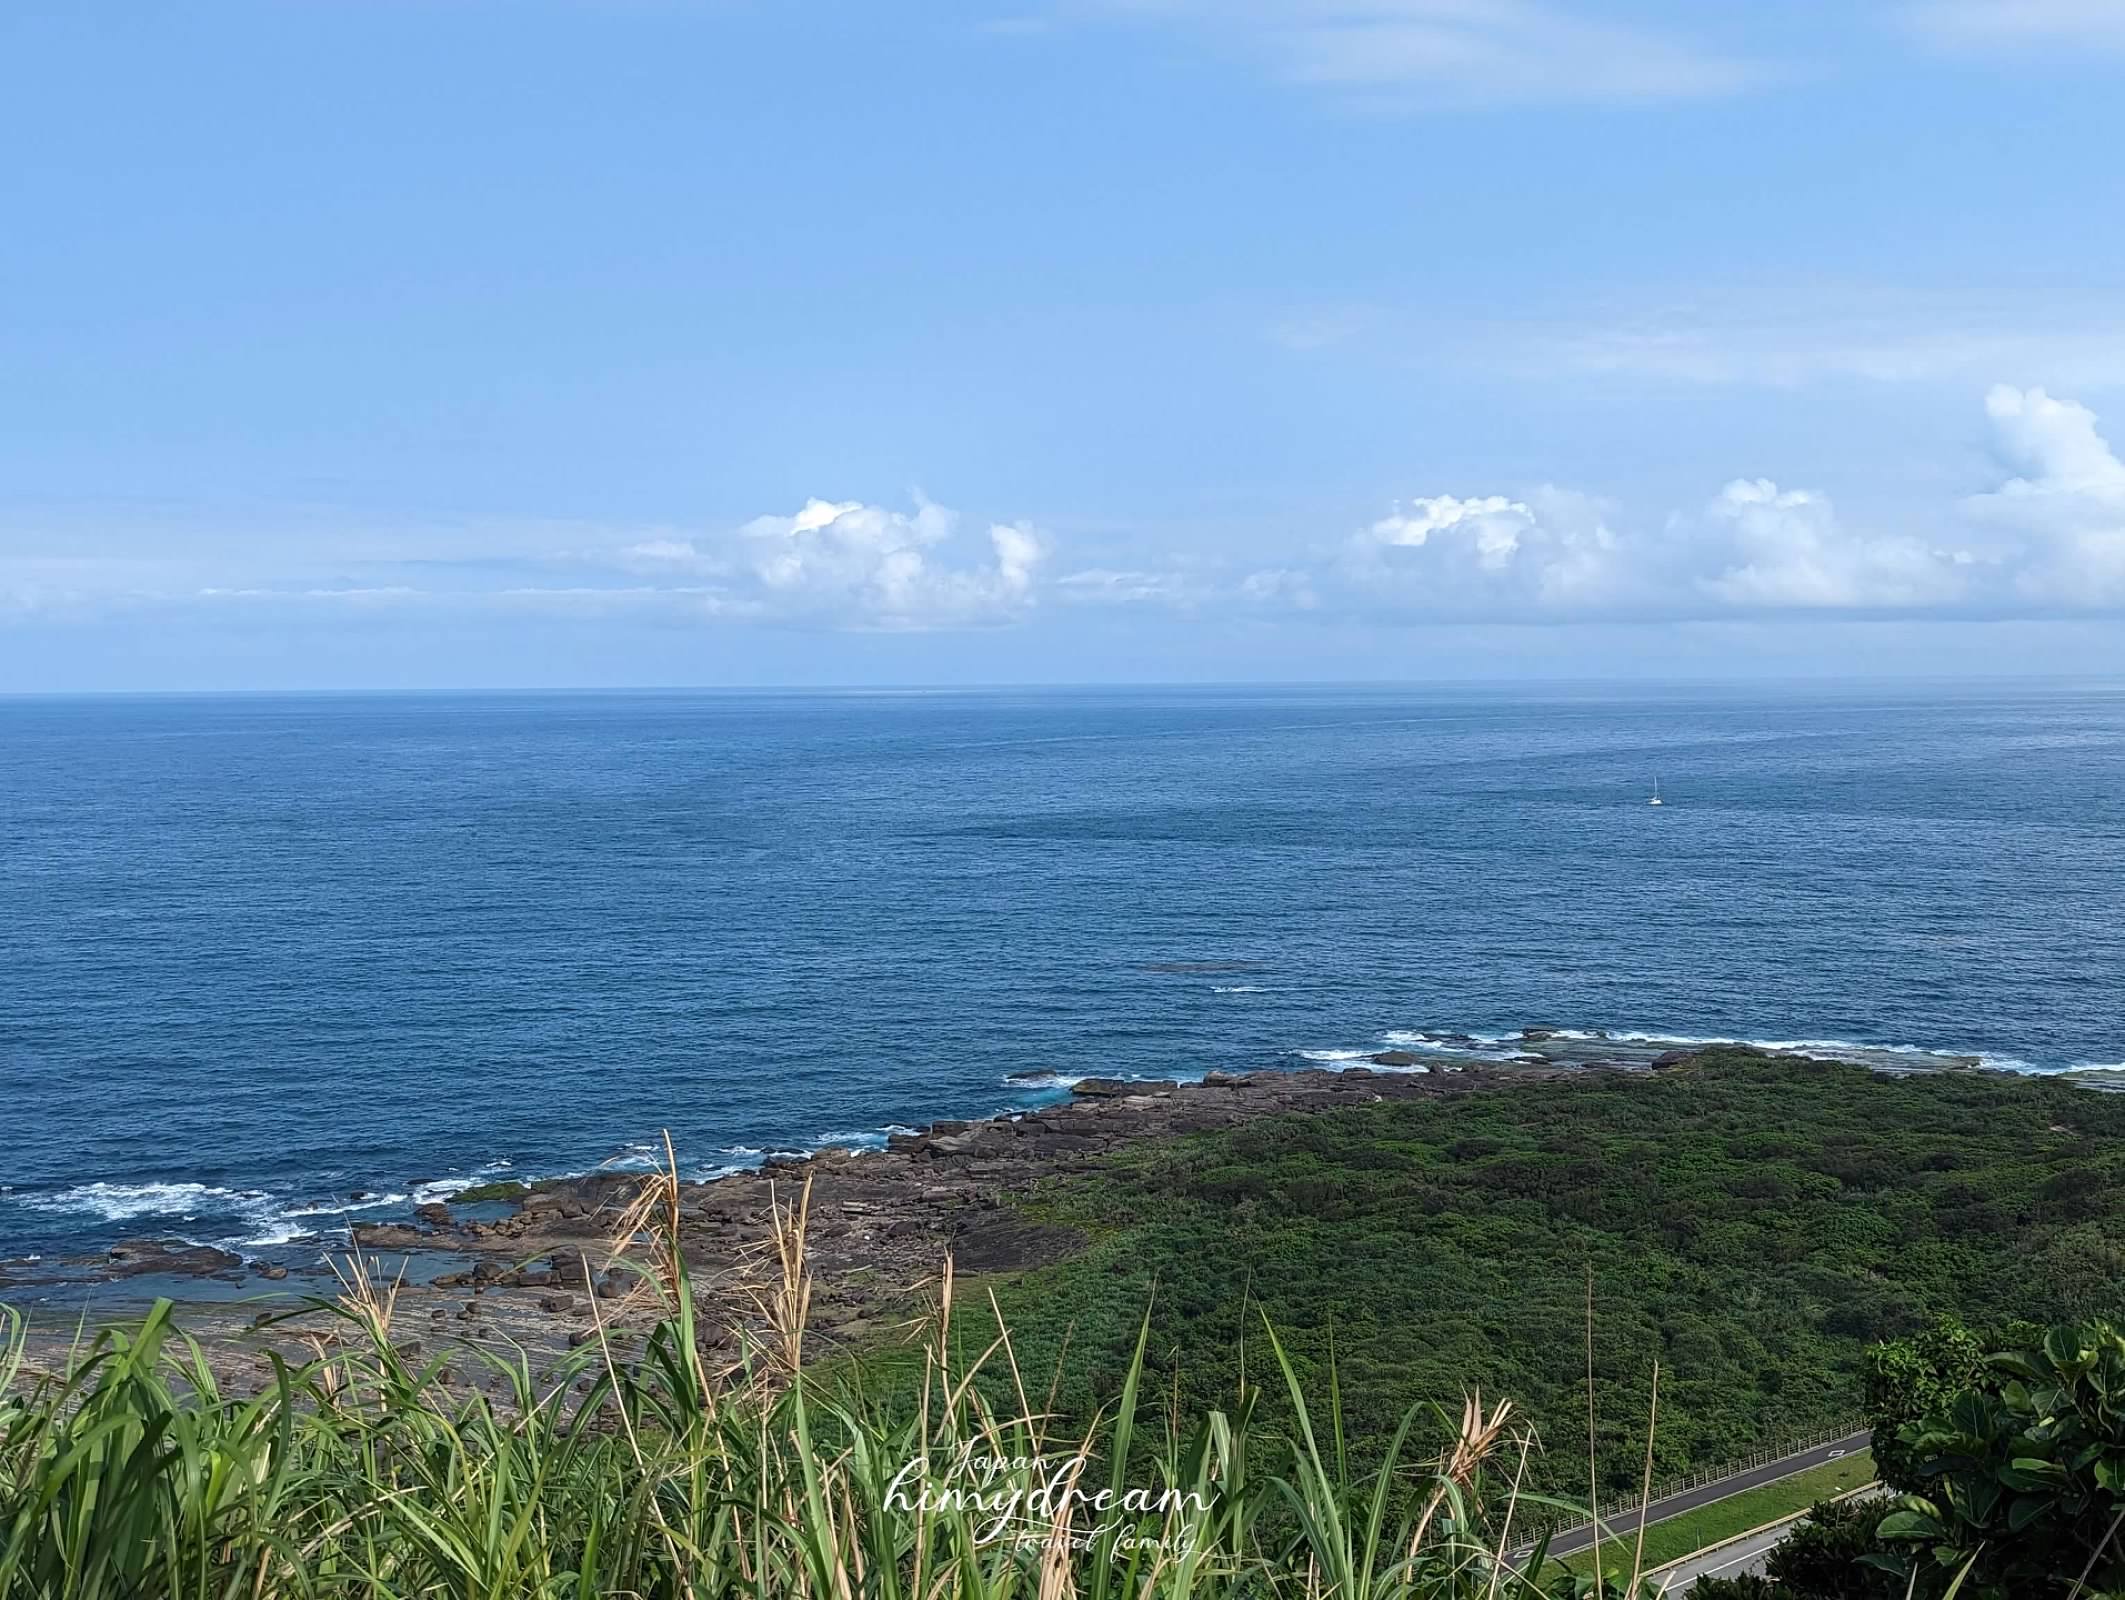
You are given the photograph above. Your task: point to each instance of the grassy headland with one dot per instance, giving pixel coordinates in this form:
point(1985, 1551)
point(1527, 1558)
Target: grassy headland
point(1751, 1221)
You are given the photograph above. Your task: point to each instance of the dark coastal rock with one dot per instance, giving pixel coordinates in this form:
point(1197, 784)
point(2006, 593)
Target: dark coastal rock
point(1396, 1058)
point(1537, 1035)
point(1115, 1088)
point(435, 1214)
point(389, 1236)
point(1223, 1080)
point(1028, 1075)
point(131, 1258)
point(557, 1302)
point(1049, 1144)
point(1674, 1058)
point(275, 1271)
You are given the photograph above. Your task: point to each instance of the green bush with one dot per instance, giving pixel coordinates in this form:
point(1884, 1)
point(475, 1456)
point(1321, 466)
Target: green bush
point(2021, 1477)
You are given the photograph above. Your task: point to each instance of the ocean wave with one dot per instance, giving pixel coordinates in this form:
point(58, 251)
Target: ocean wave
point(1327, 1057)
point(1479, 1045)
point(259, 1219)
point(434, 1190)
point(1851, 1047)
point(125, 1202)
point(1237, 988)
point(1635, 1043)
point(866, 1139)
point(334, 1208)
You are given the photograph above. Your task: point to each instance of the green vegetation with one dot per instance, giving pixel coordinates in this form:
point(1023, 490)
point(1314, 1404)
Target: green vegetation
point(1676, 1537)
point(132, 1473)
point(2022, 1477)
point(1751, 1222)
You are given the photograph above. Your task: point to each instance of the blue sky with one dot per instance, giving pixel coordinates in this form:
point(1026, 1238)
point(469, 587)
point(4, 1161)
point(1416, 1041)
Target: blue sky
point(446, 342)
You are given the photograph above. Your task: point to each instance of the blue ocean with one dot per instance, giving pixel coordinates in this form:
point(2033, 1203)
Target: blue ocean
point(261, 954)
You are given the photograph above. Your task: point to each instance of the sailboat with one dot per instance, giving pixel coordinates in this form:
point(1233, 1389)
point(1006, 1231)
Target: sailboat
point(1656, 793)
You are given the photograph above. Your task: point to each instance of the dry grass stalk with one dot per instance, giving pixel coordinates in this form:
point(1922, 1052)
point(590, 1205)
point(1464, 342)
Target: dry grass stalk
point(1645, 1487)
point(1473, 1445)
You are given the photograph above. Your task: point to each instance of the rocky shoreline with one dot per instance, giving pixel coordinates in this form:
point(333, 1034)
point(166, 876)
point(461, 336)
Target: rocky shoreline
point(544, 1273)
point(547, 1275)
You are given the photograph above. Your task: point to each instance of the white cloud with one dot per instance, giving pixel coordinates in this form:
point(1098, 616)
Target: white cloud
point(866, 565)
point(1784, 548)
point(854, 565)
point(1417, 54)
point(1551, 551)
point(2067, 503)
point(2047, 541)
point(830, 564)
point(1990, 24)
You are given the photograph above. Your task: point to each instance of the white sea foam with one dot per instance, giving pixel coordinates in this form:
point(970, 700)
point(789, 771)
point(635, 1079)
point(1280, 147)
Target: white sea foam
point(1848, 1047)
point(1329, 1057)
point(452, 1183)
point(282, 1230)
point(1472, 1043)
point(1236, 988)
point(334, 1208)
point(1046, 1080)
point(868, 1139)
point(123, 1202)
point(1481, 1045)
point(260, 1218)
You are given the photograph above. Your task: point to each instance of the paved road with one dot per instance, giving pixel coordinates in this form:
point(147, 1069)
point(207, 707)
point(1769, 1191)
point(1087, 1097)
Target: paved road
point(1729, 1560)
point(1732, 1559)
point(1625, 1526)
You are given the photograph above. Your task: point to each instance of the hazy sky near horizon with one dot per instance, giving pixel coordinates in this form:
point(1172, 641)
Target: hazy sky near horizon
point(467, 343)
